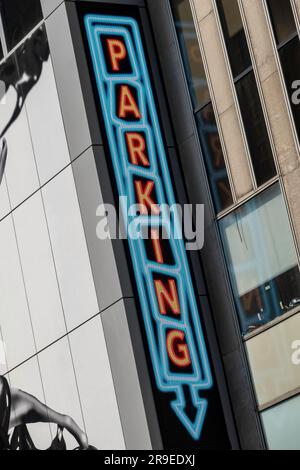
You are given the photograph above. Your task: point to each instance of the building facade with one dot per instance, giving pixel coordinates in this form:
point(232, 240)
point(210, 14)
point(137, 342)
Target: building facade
point(125, 343)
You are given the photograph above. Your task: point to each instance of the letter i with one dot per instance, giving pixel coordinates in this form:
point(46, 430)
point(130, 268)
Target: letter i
point(157, 246)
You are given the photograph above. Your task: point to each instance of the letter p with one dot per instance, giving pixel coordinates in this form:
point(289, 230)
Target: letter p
point(117, 53)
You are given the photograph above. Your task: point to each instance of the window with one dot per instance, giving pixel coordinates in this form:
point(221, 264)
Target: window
point(262, 259)
point(205, 117)
point(282, 425)
point(191, 53)
point(19, 17)
point(247, 92)
point(255, 128)
point(288, 45)
point(234, 36)
point(214, 158)
point(282, 19)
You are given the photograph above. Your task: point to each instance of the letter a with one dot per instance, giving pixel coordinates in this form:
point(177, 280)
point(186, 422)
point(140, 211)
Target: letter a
point(127, 104)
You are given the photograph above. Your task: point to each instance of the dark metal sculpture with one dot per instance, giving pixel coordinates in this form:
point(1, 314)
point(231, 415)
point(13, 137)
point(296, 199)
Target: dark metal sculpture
point(17, 409)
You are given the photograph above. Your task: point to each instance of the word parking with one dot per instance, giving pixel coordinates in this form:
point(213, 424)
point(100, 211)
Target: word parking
point(162, 273)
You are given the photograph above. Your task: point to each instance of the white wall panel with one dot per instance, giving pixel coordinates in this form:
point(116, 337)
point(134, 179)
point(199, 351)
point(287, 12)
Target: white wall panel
point(39, 272)
point(60, 385)
point(70, 250)
point(28, 379)
point(21, 172)
point(46, 126)
point(4, 200)
point(96, 386)
point(14, 315)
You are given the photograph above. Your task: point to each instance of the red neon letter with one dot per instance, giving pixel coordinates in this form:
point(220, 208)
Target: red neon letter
point(144, 197)
point(156, 246)
point(181, 357)
point(137, 146)
point(117, 52)
point(127, 104)
point(165, 296)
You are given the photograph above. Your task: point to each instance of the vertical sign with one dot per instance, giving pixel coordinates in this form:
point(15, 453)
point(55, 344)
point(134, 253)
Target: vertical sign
point(171, 317)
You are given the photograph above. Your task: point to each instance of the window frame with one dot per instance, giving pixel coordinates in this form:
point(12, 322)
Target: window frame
point(289, 313)
point(197, 110)
point(233, 83)
point(277, 47)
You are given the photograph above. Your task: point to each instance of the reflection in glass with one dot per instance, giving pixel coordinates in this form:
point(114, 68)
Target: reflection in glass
point(262, 259)
point(190, 52)
point(282, 425)
point(290, 61)
point(283, 19)
point(256, 129)
point(234, 35)
point(214, 158)
point(19, 17)
point(207, 127)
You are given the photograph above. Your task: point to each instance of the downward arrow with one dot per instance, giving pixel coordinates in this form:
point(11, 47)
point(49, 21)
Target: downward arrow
point(195, 425)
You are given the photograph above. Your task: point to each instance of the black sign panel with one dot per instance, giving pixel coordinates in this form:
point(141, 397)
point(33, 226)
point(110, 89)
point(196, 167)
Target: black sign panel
point(184, 386)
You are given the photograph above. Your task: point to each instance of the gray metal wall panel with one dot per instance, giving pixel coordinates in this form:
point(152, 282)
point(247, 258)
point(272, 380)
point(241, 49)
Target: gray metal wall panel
point(48, 6)
point(106, 277)
point(68, 83)
point(122, 360)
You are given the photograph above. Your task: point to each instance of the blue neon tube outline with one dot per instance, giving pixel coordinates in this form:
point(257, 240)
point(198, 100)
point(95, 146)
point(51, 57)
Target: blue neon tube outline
point(206, 379)
point(129, 22)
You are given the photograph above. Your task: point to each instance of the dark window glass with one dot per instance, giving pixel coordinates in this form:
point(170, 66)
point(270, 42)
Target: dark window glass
point(255, 128)
point(283, 19)
point(290, 61)
point(234, 35)
point(214, 158)
point(208, 131)
point(262, 260)
point(19, 18)
point(190, 52)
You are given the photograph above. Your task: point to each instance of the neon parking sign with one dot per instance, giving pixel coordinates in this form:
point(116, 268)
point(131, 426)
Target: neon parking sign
point(162, 273)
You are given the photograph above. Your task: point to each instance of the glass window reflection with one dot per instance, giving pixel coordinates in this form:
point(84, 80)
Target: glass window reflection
point(290, 61)
point(262, 260)
point(282, 425)
point(234, 35)
point(283, 19)
point(214, 158)
point(288, 46)
point(205, 117)
point(190, 52)
point(256, 129)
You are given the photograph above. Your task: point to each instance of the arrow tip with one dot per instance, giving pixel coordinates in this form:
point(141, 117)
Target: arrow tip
point(194, 426)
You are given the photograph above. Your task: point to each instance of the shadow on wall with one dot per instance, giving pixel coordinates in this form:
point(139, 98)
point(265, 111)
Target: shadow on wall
point(17, 408)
